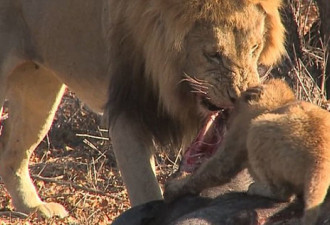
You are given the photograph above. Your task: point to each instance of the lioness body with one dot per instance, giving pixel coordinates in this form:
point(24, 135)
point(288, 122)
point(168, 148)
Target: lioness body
point(284, 143)
point(132, 58)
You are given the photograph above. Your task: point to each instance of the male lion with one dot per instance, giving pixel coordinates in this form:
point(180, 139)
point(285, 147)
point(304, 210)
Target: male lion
point(160, 68)
point(285, 144)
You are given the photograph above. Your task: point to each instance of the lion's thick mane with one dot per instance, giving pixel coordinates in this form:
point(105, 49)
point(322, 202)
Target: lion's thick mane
point(146, 40)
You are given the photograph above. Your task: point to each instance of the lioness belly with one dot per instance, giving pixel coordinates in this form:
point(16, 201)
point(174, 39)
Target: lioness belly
point(70, 43)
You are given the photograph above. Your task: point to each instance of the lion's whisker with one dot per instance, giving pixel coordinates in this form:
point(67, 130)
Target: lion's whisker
point(209, 85)
point(194, 79)
point(198, 86)
point(199, 92)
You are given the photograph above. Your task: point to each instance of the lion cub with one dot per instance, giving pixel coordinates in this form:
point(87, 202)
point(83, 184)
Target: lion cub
point(285, 144)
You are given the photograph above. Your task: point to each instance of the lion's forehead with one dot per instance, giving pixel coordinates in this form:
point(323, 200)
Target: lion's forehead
point(241, 27)
point(227, 39)
point(240, 18)
point(225, 30)
point(217, 10)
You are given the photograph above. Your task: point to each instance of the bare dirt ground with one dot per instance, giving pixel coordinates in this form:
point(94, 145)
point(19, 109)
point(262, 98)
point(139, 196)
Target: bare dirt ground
point(75, 166)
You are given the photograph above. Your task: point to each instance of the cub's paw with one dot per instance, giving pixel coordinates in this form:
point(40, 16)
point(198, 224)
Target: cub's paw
point(253, 94)
point(51, 209)
point(174, 189)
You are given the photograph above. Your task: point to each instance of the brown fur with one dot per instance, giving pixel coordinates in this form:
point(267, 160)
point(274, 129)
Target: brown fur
point(149, 57)
point(285, 144)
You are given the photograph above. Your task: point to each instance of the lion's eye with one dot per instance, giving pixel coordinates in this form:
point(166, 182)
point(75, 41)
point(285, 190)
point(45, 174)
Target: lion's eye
point(254, 48)
point(215, 57)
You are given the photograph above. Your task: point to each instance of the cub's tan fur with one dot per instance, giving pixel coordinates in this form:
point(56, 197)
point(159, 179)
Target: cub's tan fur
point(285, 143)
point(142, 60)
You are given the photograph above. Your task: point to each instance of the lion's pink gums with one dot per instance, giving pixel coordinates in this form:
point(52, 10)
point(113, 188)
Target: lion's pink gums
point(205, 144)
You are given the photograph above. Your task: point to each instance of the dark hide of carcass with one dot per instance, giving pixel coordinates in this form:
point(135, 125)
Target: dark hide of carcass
point(231, 206)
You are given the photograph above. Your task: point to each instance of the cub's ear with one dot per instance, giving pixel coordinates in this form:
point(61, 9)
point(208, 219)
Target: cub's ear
point(252, 94)
point(274, 47)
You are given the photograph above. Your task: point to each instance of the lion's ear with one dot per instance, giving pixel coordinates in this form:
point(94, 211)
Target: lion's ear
point(275, 32)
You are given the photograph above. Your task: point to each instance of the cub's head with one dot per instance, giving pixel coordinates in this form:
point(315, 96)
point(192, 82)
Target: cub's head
point(213, 49)
point(273, 94)
point(259, 99)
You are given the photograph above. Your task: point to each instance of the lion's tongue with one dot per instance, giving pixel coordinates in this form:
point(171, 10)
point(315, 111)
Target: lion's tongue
point(205, 144)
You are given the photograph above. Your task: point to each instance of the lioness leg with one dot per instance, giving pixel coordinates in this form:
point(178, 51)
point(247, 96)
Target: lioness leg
point(34, 94)
point(135, 161)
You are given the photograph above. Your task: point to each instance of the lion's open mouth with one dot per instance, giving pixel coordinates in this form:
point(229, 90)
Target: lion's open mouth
point(207, 141)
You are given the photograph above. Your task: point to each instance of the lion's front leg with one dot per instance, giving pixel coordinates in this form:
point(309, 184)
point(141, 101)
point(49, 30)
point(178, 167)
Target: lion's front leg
point(135, 161)
point(34, 95)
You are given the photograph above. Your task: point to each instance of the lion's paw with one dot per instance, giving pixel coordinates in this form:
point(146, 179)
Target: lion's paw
point(174, 189)
point(51, 209)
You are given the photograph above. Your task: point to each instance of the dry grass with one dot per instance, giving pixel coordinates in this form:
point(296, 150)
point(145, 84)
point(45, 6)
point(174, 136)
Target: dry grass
point(309, 72)
point(75, 166)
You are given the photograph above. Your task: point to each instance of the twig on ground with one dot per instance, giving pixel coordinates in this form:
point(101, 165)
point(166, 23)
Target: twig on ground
point(19, 215)
point(92, 136)
point(76, 186)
